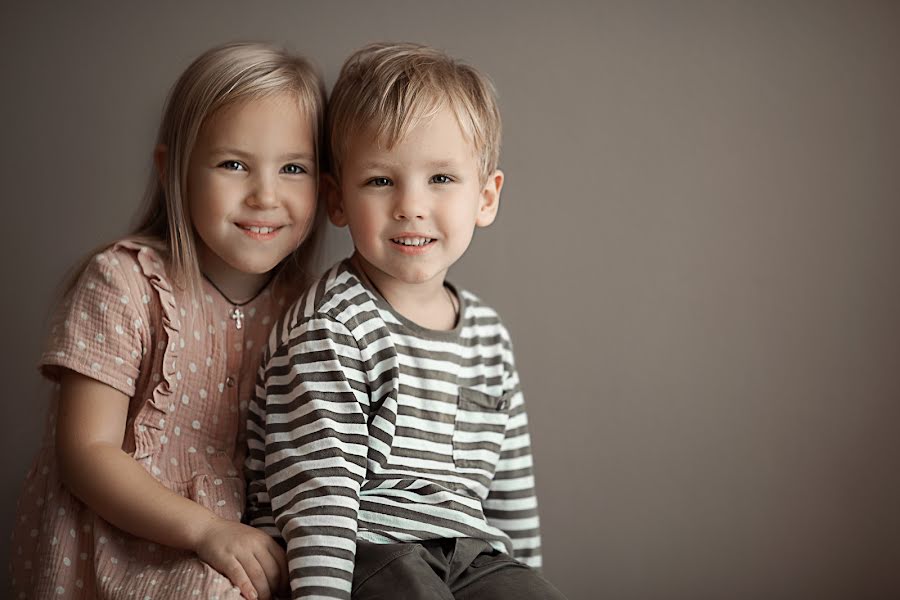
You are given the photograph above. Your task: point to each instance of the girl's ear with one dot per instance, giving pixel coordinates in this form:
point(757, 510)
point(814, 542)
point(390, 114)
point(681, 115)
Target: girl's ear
point(334, 204)
point(160, 153)
point(490, 199)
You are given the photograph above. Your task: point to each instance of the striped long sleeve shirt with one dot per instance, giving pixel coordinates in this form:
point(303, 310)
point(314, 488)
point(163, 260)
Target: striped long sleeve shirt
point(367, 426)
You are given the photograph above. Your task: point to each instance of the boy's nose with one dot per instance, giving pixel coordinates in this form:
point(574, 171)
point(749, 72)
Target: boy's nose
point(408, 205)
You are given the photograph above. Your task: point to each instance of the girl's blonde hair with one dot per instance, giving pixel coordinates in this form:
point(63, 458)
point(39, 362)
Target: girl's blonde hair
point(386, 88)
point(221, 76)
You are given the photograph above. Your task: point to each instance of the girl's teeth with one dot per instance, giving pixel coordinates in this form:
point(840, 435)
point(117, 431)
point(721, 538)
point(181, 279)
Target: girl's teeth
point(412, 241)
point(260, 229)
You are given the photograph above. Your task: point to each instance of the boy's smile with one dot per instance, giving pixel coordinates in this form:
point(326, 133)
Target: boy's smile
point(413, 244)
point(412, 209)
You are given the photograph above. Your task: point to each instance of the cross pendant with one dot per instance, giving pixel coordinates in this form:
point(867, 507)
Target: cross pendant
point(238, 315)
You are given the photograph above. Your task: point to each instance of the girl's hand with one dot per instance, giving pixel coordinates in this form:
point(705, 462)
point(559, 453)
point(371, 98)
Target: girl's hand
point(89, 434)
point(251, 560)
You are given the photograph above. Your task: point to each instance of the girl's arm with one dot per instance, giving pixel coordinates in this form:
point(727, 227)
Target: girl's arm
point(89, 435)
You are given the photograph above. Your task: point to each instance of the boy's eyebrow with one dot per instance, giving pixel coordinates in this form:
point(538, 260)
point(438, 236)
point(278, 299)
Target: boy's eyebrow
point(441, 164)
point(434, 164)
point(376, 165)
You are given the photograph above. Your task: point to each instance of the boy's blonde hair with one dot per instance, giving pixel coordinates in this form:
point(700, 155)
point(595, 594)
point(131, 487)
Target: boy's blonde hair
point(220, 77)
point(385, 89)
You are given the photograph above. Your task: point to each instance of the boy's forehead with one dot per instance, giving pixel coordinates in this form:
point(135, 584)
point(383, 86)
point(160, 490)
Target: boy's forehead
point(436, 139)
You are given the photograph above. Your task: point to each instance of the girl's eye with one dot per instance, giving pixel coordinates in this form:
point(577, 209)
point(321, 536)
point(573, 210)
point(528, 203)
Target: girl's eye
point(379, 181)
point(441, 179)
point(293, 169)
point(232, 165)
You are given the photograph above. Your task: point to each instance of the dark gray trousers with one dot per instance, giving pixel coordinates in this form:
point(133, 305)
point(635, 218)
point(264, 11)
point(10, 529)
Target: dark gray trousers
point(447, 569)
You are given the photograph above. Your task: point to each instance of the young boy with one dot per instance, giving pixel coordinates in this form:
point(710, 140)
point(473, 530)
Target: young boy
point(388, 438)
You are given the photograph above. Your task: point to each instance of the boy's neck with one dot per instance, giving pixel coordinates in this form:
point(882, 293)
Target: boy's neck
point(429, 304)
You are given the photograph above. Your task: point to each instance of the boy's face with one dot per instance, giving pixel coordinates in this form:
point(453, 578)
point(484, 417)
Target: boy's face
point(412, 209)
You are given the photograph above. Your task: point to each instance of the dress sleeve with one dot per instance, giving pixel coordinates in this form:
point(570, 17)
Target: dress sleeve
point(511, 505)
point(99, 329)
point(308, 442)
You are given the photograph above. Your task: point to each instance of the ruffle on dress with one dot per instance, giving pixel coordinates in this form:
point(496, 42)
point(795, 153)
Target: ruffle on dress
point(149, 423)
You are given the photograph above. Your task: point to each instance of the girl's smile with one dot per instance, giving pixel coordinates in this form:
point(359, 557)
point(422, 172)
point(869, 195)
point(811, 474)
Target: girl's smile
point(260, 231)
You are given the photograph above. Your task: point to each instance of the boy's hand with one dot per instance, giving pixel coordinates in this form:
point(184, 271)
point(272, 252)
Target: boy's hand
point(250, 559)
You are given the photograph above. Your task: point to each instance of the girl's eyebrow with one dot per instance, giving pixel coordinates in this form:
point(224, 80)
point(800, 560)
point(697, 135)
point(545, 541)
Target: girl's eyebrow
point(298, 156)
point(242, 154)
point(231, 151)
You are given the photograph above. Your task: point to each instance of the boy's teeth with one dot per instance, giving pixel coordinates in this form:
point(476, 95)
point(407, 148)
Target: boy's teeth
point(412, 241)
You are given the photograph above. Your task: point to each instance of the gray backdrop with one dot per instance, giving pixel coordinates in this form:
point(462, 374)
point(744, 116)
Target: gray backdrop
point(697, 255)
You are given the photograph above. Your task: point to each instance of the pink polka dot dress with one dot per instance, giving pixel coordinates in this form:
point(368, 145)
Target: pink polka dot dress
point(189, 373)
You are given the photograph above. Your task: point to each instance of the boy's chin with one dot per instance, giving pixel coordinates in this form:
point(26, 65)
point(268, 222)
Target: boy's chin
point(398, 273)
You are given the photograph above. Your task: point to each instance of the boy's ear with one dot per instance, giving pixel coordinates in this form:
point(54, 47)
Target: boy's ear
point(159, 161)
point(490, 199)
point(334, 203)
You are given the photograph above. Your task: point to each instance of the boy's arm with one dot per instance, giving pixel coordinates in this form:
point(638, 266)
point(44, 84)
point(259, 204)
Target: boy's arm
point(259, 508)
point(315, 441)
point(511, 504)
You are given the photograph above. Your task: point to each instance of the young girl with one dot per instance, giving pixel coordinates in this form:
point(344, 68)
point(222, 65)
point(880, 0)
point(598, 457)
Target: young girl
point(138, 490)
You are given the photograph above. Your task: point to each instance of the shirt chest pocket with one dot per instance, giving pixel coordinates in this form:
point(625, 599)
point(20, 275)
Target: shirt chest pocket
point(479, 431)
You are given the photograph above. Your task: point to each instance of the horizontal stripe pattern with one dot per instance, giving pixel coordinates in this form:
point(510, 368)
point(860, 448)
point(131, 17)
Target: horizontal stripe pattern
point(366, 426)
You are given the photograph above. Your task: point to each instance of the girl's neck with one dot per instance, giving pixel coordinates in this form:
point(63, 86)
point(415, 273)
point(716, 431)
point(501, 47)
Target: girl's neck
point(235, 286)
point(429, 304)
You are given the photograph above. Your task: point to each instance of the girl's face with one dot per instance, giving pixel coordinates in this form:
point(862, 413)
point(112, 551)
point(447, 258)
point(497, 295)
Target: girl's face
point(251, 188)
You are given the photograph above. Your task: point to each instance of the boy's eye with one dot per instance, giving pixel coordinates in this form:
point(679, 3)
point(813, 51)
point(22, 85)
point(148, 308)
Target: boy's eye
point(379, 181)
point(231, 165)
point(293, 169)
point(441, 179)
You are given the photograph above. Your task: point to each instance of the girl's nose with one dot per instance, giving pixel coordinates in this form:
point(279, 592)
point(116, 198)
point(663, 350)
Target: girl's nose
point(264, 193)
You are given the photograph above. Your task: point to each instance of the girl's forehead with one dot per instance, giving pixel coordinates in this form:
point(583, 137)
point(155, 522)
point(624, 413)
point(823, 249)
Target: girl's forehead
point(271, 116)
point(280, 103)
